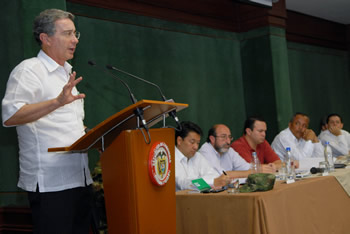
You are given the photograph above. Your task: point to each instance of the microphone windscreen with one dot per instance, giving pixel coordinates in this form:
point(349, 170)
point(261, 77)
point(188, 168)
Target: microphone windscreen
point(313, 170)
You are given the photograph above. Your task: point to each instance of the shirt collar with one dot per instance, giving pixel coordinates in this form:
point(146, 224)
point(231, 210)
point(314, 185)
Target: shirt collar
point(179, 155)
point(51, 65)
point(214, 150)
point(292, 135)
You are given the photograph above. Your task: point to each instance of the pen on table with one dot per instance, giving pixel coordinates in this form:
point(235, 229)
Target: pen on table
point(224, 172)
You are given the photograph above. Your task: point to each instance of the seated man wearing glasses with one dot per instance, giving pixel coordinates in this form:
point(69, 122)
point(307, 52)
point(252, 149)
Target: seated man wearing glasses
point(222, 157)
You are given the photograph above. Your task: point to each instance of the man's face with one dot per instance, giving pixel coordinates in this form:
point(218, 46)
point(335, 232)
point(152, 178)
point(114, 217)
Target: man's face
point(299, 125)
point(189, 145)
point(221, 142)
point(335, 122)
point(61, 46)
point(258, 134)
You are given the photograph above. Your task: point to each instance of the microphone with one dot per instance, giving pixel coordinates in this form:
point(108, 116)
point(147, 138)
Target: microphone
point(171, 113)
point(138, 111)
point(315, 170)
point(132, 97)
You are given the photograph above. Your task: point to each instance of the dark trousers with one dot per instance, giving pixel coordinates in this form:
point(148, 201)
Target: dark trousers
point(64, 212)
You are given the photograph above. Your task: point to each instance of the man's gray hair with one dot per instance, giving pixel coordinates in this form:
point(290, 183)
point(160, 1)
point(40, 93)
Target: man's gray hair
point(45, 22)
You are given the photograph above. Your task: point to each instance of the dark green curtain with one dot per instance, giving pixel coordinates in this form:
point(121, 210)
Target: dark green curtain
point(320, 82)
point(201, 67)
point(266, 77)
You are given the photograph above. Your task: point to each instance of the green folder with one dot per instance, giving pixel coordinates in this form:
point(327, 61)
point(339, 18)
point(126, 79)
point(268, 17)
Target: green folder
point(201, 185)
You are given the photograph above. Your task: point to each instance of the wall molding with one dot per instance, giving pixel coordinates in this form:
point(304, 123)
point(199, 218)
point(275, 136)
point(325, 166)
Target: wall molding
point(15, 220)
point(234, 16)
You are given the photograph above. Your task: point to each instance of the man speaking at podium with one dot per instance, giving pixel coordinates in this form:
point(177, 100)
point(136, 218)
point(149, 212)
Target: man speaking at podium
point(42, 102)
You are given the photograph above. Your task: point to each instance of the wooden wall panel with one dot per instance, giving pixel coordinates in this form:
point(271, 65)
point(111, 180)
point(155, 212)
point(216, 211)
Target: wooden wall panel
point(235, 16)
point(15, 220)
point(211, 13)
point(227, 15)
point(311, 30)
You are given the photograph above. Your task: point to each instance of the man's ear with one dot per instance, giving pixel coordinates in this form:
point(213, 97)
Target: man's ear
point(45, 39)
point(248, 131)
point(212, 139)
point(178, 140)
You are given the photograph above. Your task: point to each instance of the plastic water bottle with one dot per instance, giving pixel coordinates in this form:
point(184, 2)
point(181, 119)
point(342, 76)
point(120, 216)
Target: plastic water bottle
point(328, 156)
point(290, 172)
point(255, 164)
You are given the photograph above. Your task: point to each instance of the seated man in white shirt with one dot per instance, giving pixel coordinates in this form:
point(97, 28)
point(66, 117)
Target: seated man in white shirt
point(222, 157)
point(302, 141)
point(191, 165)
point(338, 139)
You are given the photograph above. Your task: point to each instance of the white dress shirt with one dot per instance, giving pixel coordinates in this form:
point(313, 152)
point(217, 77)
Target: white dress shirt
point(299, 148)
point(36, 80)
point(187, 170)
point(340, 144)
point(229, 161)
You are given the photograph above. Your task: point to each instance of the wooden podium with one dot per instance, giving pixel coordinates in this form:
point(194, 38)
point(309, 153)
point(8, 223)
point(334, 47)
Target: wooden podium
point(136, 200)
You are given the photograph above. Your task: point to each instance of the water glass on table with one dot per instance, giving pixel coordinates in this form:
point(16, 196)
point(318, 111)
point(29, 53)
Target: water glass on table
point(324, 166)
point(233, 186)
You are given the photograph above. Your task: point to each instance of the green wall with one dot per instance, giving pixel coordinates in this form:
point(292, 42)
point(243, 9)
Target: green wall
point(223, 76)
point(320, 82)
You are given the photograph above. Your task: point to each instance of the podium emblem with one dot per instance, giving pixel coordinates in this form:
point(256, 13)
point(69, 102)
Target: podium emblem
point(159, 163)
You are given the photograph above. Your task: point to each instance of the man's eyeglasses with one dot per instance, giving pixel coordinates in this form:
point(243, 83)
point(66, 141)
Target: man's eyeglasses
point(224, 137)
point(71, 33)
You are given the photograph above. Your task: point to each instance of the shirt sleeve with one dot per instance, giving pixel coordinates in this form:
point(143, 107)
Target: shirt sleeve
point(22, 88)
point(238, 163)
point(270, 155)
point(339, 144)
point(199, 168)
point(207, 172)
point(243, 151)
point(318, 151)
point(280, 144)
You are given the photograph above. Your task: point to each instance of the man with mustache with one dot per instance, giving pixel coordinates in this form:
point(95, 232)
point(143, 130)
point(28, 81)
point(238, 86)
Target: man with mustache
point(222, 157)
point(302, 141)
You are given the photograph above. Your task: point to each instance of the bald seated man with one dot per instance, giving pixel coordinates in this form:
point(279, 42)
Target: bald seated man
point(302, 140)
point(222, 157)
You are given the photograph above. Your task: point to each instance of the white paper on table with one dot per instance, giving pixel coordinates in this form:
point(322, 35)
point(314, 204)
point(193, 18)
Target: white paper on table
point(306, 164)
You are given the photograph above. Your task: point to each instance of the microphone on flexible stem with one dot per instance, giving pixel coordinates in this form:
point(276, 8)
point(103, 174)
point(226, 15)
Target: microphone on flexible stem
point(132, 97)
point(138, 111)
point(315, 170)
point(171, 113)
